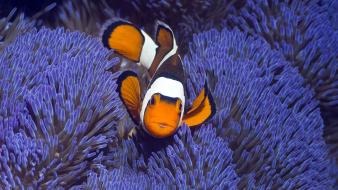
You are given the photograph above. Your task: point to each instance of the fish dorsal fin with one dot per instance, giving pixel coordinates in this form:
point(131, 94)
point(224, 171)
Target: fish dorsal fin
point(164, 36)
point(130, 93)
point(201, 110)
point(167, 47)
point(129, 41)
point(125, 38)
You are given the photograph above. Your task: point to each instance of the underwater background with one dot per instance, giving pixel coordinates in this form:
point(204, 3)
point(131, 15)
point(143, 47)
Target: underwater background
point(272, 67)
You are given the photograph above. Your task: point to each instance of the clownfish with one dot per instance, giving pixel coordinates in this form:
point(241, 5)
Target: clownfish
point(162, 109)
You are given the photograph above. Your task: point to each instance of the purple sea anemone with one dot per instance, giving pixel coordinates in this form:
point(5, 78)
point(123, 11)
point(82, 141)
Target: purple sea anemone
point(11, 26)
point(266, 113)
point(78, 16)
point(267, 133)
point(332, 10)
point(303, 33)
point(272, 71)
point(58, 108)
point(199, 161)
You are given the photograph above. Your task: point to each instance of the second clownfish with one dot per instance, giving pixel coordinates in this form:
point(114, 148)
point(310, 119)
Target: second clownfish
point(162, 109)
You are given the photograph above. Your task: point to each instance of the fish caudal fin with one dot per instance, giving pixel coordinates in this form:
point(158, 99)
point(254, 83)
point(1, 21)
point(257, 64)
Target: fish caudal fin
point(202, 109)
point(125, 38)
point(130, 93)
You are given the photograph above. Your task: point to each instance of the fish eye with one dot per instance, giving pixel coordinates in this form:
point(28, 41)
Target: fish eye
point(179, 107)
point(152, 100)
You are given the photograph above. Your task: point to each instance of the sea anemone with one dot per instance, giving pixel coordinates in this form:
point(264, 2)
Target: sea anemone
point(332, 10)
point(303, 33)
point(121, 178)
point(266, 113)
point(199, 161)
point(271, 70)
point(83, 15)
point(58, 108)
point(12, 26)
point(267, 133)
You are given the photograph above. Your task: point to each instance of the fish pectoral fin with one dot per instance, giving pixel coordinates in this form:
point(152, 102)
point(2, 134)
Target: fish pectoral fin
point(164, 36)
point(130, 93)
point(125, 38)
point(201, 110)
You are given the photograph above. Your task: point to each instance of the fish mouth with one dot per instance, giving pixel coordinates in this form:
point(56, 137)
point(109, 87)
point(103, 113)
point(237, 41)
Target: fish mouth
point(164, 125)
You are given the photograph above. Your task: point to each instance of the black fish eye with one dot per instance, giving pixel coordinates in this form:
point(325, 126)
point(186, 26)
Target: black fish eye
point(152, 100)
point(180, 109)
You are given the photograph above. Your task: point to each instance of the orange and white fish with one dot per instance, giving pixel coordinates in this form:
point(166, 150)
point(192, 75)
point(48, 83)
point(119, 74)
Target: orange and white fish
point(161, 111)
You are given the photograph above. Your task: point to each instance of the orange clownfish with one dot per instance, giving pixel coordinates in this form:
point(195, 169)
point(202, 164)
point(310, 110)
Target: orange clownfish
point(161, 111)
